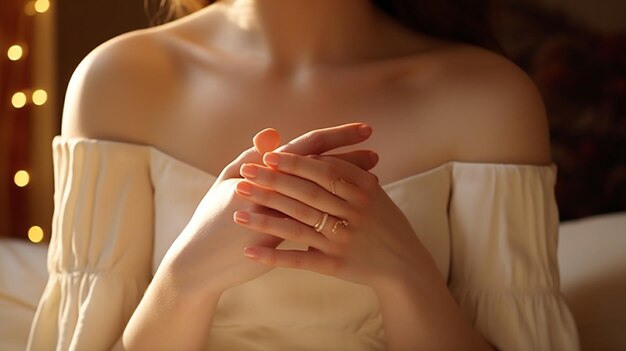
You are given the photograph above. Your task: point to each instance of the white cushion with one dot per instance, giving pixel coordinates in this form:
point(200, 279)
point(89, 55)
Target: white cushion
point(23, 277)
point(592, 258)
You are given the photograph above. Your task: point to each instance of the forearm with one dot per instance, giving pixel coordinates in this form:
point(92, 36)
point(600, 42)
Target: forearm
point(419, 313)
point(169, 318)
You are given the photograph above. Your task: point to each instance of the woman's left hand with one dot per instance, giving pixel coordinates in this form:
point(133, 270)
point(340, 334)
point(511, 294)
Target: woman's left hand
point(353, 229)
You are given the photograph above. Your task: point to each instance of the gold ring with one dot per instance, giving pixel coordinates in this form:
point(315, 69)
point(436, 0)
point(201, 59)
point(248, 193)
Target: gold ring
point(321, 223)
point(343, 223)
point(332, 185)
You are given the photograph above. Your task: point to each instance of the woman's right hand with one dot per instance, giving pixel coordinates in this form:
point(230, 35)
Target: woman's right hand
point(207, 257)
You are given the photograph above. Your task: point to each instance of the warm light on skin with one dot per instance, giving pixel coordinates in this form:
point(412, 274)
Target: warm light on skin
point(40, 97)
point(15, 52)
point(241, 13)
point(18, 100)
point(35, 234)
point(21, 178)
point(42, 6)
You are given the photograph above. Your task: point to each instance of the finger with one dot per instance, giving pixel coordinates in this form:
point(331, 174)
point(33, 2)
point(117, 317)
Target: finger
point(314, 142)
point(267, 187)
point(309, 260)
point(232, 169)
point(285, 228)
point(320, 171)
point(266, 140)
point(346, 190)
point(363, 159)
point(320, 141)
point(306, 213)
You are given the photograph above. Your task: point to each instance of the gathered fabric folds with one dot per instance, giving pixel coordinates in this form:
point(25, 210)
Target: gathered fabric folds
point(504, 270)
point(492, 230)
point(100, 253)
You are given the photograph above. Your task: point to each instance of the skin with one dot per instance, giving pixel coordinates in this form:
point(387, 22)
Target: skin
point(224, 73)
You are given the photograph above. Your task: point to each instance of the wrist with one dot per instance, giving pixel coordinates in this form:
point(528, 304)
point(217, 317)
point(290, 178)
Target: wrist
point(175, 275)
point(411, 277)
point(419, 312)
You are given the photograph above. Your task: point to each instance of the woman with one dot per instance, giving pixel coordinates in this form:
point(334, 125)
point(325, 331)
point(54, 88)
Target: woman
point(449, 244)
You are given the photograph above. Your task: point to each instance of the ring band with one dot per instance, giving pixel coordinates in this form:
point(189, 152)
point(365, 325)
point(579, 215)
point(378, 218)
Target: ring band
point(332, 185)
point(321, 223)
point(343, 223)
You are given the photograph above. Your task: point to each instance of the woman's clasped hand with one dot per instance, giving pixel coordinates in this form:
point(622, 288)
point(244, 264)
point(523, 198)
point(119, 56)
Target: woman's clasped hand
point(352, 228)
point(211, 244)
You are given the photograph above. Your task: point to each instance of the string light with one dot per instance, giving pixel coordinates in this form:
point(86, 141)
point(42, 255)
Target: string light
point(21, 178)
point(42, 6)
point(35, 234)
point(15, 52)
point(40, 97)
point(19, 51)
point(18, 100)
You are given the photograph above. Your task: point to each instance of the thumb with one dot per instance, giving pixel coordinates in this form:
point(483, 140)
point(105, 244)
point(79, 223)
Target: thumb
point(266, 140)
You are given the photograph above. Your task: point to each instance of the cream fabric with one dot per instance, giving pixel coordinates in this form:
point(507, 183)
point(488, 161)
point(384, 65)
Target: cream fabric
point(491, 228)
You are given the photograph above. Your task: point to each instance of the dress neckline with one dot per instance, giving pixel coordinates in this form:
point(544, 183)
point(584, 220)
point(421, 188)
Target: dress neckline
point(552, 167)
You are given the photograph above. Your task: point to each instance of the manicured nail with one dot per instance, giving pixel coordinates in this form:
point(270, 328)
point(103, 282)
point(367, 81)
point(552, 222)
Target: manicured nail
point(271, 159)
point(365, 130)
point(242, 217)
point(244, 188)
point(249, 171)
point(251, 253)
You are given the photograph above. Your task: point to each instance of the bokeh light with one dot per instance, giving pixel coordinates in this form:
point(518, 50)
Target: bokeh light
point(40, 97)
point(18, 100)
point(15, 52)
point(42, 6)
point(21, 178)
point(35, 234)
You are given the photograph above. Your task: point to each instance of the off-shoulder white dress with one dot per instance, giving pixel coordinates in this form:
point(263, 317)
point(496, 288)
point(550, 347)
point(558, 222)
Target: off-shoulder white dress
point(491, 228)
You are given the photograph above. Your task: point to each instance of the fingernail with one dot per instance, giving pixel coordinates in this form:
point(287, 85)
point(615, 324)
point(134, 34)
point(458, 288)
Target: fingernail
point(374, 157)
point(251, 253)
point(365, 130)
point(242, 217)
point(271, 159)
point(249, 171)
point(244, 188)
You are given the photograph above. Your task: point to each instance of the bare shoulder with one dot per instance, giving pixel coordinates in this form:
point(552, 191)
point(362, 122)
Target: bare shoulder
point(491, 109)
point(119, 88)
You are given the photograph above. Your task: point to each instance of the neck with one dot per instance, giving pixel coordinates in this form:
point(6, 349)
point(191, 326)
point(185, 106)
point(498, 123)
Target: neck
point(305, 32)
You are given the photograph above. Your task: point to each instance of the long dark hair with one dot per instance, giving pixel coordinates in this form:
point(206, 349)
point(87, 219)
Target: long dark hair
point(467, 21)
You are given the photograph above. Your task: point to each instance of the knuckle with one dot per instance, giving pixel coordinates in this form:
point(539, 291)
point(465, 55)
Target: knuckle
point(353, 214)
point(296, 230)
point(263, 196)
point(292, 162)
point(263, 223)
point(271, 177)
point(362, 198)
point(302, 213)
point(315, 140)
point(370, 181)
point(271, 258)
point(313, 193)
point(329, 171)
point(357, 219)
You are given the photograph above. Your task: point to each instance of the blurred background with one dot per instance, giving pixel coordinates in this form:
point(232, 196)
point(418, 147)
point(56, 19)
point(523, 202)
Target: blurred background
point(575, 50)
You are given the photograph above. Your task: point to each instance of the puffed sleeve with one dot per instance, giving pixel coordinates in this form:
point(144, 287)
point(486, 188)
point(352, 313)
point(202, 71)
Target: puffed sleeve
point(101, 247)
point(504, 270)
